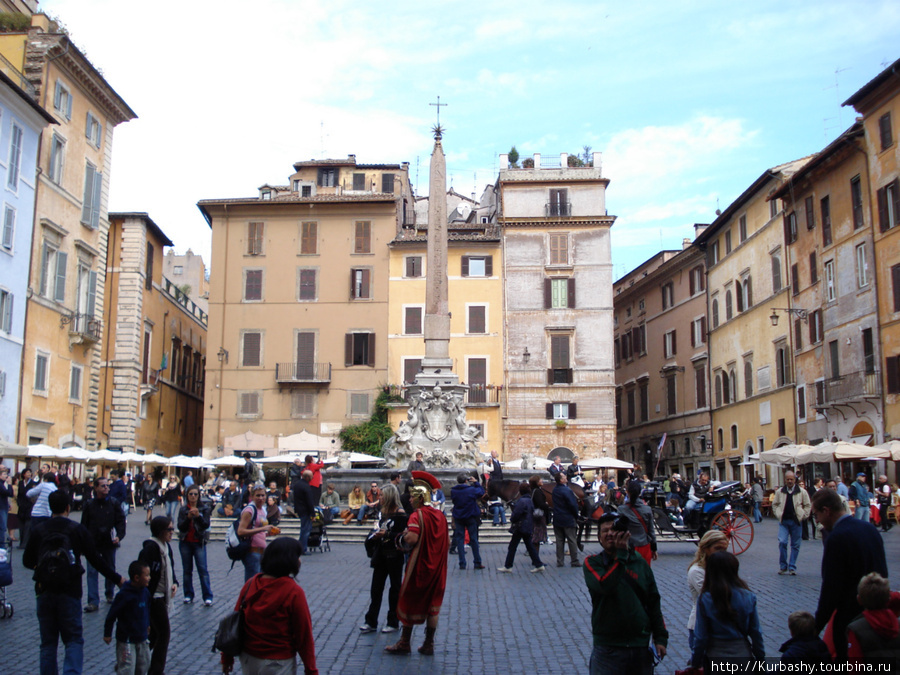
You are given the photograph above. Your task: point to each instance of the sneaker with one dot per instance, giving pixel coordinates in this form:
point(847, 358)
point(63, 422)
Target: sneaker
point(389, 629)
point(109, 599)
point(208, 602)
point(782, 571)
point(504, 569)
point(90, 608)
point(188, 601)
point(366, 628)
point(538, 569)
point(793, 573)
point(479, 567)
point(559, 564)
point(575, 563)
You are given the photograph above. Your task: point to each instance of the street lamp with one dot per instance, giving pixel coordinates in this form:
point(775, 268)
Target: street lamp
point(802, 314)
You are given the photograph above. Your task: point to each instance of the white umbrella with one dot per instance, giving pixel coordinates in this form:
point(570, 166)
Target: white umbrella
point(605, 463)
point(153, 458)
point(280, 459)
point(105, 456)
point(893, 447)
point(783, 455)
point(357, 458)
point(185, 461)
point(131, 457)
point(8, 449)
point(536, 463)
point(42, 450)
point(842, 450)
point(228, 460)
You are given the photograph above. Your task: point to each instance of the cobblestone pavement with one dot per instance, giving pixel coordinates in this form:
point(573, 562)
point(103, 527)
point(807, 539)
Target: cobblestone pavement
point(491, 623)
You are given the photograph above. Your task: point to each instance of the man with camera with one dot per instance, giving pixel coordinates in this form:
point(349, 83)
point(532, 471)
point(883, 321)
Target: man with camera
point(467, 516)
point(625, 603)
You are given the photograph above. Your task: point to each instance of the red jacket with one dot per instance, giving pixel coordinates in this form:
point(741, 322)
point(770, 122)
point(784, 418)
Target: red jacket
point(316, 468)
point(277, 622)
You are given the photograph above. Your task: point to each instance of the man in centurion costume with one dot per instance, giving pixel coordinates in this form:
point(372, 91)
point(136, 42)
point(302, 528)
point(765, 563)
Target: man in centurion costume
point(423, 586)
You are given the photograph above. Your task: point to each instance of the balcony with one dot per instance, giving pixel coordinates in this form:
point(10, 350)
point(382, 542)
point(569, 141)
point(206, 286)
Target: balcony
point(557, 209)
point(303, 373)
point(485, 395)
point(82, 328)
point(852, 387)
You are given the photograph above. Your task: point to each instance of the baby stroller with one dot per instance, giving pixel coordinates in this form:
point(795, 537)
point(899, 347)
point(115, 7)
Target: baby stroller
point(318, 535)
point(6, 608)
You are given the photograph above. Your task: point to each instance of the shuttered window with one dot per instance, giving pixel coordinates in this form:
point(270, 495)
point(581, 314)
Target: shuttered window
point(813, 268)
point(360, 286)
point(248, 403)
point(889, 205)
point(359, 349)
point(700, 383)
point(477, 266)
point(414, 266)
point(359, 181)
point(15, 157)
point(559, 249)
point(412, 321)
point(253, 283)
point(560, 371)
point(303, 403)
point(892, 366)
point(477, 373)
point(856, 200)
point(825, 211)
point(255, 233)
point(477, 323)
point(251, 349)
point(795, 279)
point(308, 241)
point(363, 238)
point(306, 355)
point(9, 227)
point(90, 203)
point(884, 131)
point(411, 367)
point(810, 214)
point(895, 285)
point(387, 182)
point(670, 395)
point(307, 284)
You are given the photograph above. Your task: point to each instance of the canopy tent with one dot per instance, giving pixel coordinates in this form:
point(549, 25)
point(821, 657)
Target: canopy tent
point(74, 453)
point(153, 458)
point(8, 449)
point(227, 460)
point(281, 459)
point(305, 442)
point(105, 456)
point(891, 446)
point(783, 455)
point(605, 463)
point(185, 461)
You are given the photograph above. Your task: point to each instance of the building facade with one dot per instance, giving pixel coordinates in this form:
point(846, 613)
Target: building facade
point(661, 359)
point(21, 122)
point(189, 272)
point(62, 357)
point(154, 347)
point(557, 299)
point(299, 316)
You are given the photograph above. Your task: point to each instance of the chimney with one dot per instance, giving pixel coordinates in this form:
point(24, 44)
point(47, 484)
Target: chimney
point(597, 161)
point(685, 243)
point(351, 158)
point(699, 228)
point(504, 162)
point(537, 160)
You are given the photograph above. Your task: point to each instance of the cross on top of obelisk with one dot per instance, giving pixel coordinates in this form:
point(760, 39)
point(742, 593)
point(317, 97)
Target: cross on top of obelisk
point(437, 128)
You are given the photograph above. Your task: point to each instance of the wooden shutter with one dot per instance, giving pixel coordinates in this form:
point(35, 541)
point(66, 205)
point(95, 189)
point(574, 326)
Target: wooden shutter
point(307, 284)
point(253, 291)
point(895, 193)
point(749, 286)
point(674, 345)
point(798, 333)
point(88, 194)
point(363, 243)
point(892, 366)
point(59, 290)
point(571, 293)
point(306, 355)
point(387, 182)
point(572, 411)
point(370, 361)
point(703, 330)
point(795, 279)
point(895, 283)
point(308, 238)
point(359, 181)
point(882, 209)
point(489, 262)
point(739, 295)
point(549, 375)
point(365, 286)
point(548, 293)
point(693, 334)
point(812, 328)
point(636, 339)
point(91, 294)
point(464, 270)
point(411, 368)
point(477, 322)
point(414, 266)
point(810, 215)
point(348, 349)
point(549, 411)
point(559, 348)
point(148, 273)
point(670, 395)
point(700, 383)
point(477, 372)
point(413, 321)
point(252, 344)
point(692, 285)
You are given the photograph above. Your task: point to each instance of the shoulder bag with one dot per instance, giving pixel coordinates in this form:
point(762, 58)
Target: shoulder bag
point(229, 637)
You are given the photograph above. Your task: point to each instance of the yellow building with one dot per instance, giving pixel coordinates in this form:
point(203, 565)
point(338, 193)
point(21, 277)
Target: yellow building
point(475, 296)
point(154, 348)
point(750, 361)
point(298, 301)
point(879, 104)
point(63, 332)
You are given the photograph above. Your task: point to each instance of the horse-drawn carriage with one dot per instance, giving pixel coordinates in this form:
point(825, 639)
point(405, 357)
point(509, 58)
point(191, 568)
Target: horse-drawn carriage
point(725, 509)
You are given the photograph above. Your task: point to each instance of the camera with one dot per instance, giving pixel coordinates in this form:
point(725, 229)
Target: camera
point(620, 524)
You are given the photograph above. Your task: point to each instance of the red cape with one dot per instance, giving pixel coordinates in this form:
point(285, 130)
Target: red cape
point(423, 586)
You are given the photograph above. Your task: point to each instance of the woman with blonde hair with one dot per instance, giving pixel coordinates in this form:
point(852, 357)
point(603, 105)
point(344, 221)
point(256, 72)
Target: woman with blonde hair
point(711, 542)
point(387, 561)
point(355, 500)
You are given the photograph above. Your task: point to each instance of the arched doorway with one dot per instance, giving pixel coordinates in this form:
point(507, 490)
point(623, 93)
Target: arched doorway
point(562, 452)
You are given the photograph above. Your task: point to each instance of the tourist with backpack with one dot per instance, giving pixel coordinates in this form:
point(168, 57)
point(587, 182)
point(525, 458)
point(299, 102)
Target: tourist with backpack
point(253, 524)
point(54, 552)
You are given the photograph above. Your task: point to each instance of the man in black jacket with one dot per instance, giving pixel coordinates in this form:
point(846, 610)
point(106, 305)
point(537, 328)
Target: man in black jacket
point(304, 505)
point(104, 519)
point(59, 611)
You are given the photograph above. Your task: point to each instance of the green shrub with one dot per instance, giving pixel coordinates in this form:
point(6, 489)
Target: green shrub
point(14, 22)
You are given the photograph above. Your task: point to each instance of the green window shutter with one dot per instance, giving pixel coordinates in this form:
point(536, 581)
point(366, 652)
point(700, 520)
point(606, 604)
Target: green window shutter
point(59, 291)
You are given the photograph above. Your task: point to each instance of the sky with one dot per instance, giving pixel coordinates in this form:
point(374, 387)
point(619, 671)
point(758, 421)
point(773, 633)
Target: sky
point(689, 102)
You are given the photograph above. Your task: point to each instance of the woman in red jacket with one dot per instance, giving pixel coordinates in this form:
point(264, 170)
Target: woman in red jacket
point(277, 625)
point(316, 482)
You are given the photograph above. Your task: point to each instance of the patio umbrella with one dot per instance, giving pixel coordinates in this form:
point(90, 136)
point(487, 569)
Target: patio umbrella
point(228, 460)
point(185, 461)
point(536, 463)
point(153, 458)
point(280, 459)
point(8, 449)
point(605, 463)
point(105, 456)
point(893, 447)
point(42, 450)
point(842, 450)
point(786, 454)
point(357, 458)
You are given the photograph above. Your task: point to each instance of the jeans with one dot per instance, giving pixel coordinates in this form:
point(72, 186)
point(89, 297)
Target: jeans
point(792, 529)
point(4, 516)
point(305, 529)
point(470, 525)
point(619, 660)
point(514, 544)
point(499, 513)
point(393, 569)
point(132, 658)
point(363, 510)
point(564, 534)
point(192, 552)
point(251, 565)
point(863, 513)
point(160, 632)
point(93, 586)
point(757, 514)
point(59, 616)
point(172, 510)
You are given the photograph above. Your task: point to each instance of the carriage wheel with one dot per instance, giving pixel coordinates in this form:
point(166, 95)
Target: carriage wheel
point(738, 527)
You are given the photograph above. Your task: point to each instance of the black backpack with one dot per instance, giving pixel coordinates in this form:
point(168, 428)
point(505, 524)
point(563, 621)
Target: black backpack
point(57, 569)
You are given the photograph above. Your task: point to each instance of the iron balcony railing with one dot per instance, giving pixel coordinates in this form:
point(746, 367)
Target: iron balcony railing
point(86, 325)
point(477, 394)
point(853, 386)
point(558, 209)
point(302, 372)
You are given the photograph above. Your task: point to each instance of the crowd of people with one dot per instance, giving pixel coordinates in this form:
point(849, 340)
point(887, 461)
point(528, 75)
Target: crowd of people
point(856, 614)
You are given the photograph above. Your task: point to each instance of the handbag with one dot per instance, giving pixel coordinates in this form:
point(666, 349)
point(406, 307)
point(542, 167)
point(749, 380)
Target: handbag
point(229, 637)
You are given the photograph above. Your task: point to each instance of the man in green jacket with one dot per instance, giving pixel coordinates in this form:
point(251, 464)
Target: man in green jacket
point(626, 606)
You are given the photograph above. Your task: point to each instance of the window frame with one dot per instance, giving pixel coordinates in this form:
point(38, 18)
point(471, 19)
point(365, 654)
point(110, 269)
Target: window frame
point(7, 304)
point(57, 158)
point(93, 130)
point(8, 237)
point(885, 132)
point(362, 237)
point(76, 368)
point(14, 167)
point(361, 283)
point(414, 262)
point(559, 248)
point(256, 238)
point(43, 389)
point(245, 397)
point(466, 266)
point(825, 215)
point(62, 100)
point(830, 281)
point(260, 348)
point(309, 233)
point(353, 399)
point(407, 312)
point(247, 271)
point(91, 196)
point(862, 266)
point(484, 318)
point(306, 271)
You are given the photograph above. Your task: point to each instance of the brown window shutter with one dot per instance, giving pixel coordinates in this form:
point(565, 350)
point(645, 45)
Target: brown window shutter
point(799, 334)
point(548, 293)
point(896, 191)
point(895, 282)
point(549, 411)
point(573, 411)
point(892, 366)
point(465, 266)
point(371, 354)
point(413, 321)
point(787, 229)
point(636, 339)
point(411, 368)
point(812, 328)
point(251, 349)
point(488, 265)
point(366, 291)
point(795, 279)
point(549, 375)
point(749, 283)
point(348, 349)
point(739, 295)
point(693, 286)
point(571, 293)
point(306, 348)
point(569, 375)
point(703, 329)
point(693, 336)
point(810, 215)
point(882, 209)
point(674, 346)
point(352, 283)
point(477, 319)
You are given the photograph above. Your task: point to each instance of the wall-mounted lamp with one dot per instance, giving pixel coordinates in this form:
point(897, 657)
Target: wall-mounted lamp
point(802, 314)
point(222, 354)
point(526, 355)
